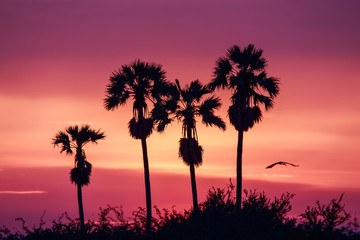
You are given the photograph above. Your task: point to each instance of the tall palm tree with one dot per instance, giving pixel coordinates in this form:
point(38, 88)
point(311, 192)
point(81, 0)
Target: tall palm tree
point(143, 82)
point(74, 139)
point(243, 71)
point(190, 106)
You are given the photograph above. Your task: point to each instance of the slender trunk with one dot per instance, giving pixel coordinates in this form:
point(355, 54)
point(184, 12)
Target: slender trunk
point(239, 169)
point(192, 176)
point(81, 210)
point(193, 187)
point(147, 186)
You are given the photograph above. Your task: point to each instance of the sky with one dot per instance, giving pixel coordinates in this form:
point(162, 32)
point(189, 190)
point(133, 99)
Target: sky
point(56, 58)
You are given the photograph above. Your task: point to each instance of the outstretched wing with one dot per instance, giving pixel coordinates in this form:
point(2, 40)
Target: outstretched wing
point(291, 164)
point(270, 166)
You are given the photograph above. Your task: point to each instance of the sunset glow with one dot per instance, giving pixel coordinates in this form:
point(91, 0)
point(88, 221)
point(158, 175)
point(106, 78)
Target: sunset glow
point(56, 58)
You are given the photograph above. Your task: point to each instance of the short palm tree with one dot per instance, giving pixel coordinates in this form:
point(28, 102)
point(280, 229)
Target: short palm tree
point(144, 83)
point(190, 106)
point(243, 71)
point(73, 139)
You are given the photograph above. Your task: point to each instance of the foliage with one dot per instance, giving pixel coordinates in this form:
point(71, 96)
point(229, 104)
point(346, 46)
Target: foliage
point(322, 221)
point(74, 139)
point(144, 83)
point(243, 71)
point(190, 151)
point(217, 218)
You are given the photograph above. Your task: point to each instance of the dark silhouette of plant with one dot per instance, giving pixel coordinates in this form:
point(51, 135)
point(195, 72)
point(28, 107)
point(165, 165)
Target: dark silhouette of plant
point(218, 218)
point(74, 139)
point(324, 219)
point(243, 71)
point(142, 82)
point(186, 105)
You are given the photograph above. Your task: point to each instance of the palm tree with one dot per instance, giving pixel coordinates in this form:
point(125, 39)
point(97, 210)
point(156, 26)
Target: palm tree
point(243, 71)
point(74, 139)
point(188, 108)
point(144, 83)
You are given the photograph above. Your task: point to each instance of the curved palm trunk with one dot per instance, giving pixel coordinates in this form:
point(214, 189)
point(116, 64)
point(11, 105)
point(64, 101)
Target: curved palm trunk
point(239, 169)
point(193, 179)
point(147, 186)
point(81, 210)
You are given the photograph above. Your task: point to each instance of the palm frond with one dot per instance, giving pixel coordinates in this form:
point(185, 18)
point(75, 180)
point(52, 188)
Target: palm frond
point(271, 85)
point(117, 92)
point(96, 135)
point(259, 98)
point(206, 110)
point(209, 119)
point(236, 81)
point(210, 104)
point(254, 55)
point(222, 69)
point(162, 89)
point(195, 91)
point(235, 54)
point(160, 116)
point(127, 72)
point(62, 139)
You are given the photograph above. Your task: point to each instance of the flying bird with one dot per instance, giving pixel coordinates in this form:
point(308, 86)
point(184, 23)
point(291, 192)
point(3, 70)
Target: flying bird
point(282, 163)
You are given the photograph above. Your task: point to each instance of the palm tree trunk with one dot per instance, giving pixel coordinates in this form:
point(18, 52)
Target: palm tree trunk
point(81, 210)
point(193, 187)
point(192, 176)
point(239, 169)
point(147, 186)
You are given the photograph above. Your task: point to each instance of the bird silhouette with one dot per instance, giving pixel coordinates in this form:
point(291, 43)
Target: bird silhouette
point(282, 163)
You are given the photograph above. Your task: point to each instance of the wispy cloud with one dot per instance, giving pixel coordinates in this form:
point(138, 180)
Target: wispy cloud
point(22, 192)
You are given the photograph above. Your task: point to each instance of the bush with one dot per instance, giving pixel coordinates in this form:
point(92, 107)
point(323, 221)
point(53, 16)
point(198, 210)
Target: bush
point(217, 218)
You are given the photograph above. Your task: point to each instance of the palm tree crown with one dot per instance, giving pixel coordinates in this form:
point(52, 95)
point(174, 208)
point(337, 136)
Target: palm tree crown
point(190, 107)
point(243, 71)
point(143, 82)
point(74, 139)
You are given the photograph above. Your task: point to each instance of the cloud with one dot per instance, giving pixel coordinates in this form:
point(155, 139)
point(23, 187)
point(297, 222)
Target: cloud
point(22, 192)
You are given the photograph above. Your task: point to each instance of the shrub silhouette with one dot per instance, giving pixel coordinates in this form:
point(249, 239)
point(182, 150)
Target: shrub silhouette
point(217, 218)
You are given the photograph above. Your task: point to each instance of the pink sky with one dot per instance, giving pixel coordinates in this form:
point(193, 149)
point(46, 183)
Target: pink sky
point(56, 58)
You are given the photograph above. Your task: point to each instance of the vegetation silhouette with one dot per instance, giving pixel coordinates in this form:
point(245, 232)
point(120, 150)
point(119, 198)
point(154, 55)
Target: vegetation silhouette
point(74, 139)
point(218, 218)
point(190, 104)
point(243, 71)
point(143, 82)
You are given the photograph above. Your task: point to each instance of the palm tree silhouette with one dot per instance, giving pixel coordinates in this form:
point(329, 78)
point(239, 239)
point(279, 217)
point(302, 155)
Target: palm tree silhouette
point(143, 82)
point(188, 108)
point(74, 139)
point(243, 72)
